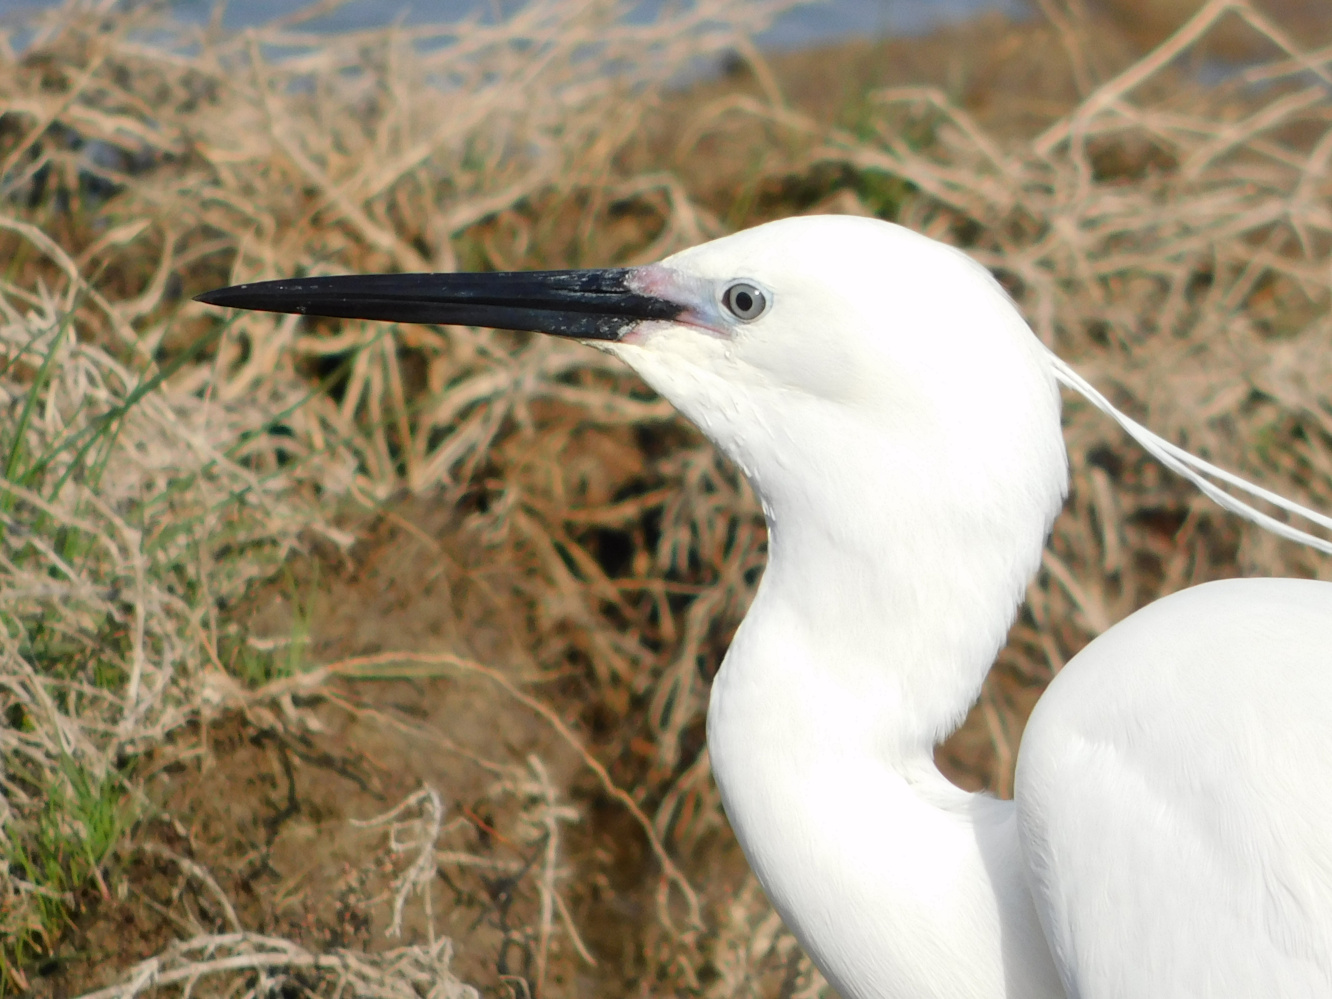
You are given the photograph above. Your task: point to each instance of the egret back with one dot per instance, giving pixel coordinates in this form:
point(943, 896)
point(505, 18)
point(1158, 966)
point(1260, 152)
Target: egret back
point(1174, 794)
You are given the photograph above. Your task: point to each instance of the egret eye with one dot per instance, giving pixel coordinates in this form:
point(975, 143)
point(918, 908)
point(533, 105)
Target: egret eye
point(744, 301)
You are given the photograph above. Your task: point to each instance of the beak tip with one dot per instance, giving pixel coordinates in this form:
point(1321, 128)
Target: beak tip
point(213, 297)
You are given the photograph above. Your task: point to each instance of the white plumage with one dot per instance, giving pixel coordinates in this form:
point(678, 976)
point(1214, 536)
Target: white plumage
point(1173, 798)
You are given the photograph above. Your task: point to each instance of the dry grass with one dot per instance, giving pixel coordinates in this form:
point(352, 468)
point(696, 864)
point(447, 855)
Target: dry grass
point(1172, 240)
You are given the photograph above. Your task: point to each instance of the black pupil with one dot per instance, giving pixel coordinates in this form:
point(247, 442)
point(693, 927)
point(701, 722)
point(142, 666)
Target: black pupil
point(744, 301)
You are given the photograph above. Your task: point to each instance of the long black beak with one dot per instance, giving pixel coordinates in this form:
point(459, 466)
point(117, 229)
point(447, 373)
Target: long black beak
point(587, 305)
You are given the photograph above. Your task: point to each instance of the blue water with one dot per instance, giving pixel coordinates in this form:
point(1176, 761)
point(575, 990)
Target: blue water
point(803, 26)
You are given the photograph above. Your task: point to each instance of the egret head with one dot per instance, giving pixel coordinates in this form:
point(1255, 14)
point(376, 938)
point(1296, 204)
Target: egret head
point(824, 350)
point(836, 325)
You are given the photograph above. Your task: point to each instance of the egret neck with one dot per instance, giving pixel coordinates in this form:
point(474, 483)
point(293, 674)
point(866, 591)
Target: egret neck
point(869, 637)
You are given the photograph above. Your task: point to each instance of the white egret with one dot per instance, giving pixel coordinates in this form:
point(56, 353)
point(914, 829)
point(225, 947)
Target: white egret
point(1171, 833)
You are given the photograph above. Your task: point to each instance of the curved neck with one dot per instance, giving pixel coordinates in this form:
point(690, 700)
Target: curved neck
point(868, 640)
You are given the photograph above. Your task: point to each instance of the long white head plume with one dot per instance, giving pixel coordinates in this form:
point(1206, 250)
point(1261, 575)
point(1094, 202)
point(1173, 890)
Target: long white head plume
point(1202, 473)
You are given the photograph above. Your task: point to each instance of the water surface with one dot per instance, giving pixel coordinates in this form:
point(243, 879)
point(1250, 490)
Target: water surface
point(809, 24)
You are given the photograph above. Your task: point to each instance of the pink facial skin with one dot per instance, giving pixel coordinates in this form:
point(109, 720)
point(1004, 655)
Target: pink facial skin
point(695, 294)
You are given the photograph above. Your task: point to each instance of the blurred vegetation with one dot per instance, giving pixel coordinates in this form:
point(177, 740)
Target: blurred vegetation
point(167, 470)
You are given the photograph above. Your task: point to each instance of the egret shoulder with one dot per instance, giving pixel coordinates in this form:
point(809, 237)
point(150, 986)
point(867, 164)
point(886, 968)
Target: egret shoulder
point(1174, 795)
